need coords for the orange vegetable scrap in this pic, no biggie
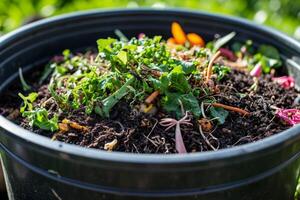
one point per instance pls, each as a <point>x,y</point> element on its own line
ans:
<point>178,33</point>
<point>152,97</point>
<point>171,41</point>
<point>195,39</point>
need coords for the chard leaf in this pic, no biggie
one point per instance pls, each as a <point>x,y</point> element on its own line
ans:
<point>222,41</point>
<point>190,103</point>
<point>171,103</point>
<point>219,113</point>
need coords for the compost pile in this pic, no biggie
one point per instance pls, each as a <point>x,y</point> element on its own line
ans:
<point>147,95</point>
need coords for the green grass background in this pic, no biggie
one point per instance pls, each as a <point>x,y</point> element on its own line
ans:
<point>281,14</point>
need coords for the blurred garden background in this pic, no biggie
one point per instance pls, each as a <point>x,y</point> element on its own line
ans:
<point>280,14</point>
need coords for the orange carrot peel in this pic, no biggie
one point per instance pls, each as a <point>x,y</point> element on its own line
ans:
<point>75,125</point>
<point>195,39</point>
<point>178,33</point>
<point>231,108</point>
<point>152,97</point>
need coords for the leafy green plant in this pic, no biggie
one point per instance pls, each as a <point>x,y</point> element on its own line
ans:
<point>27,101</point>
<point>40,118</point>
<point>37,116</point>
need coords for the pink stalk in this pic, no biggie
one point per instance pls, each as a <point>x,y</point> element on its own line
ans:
<point>228,54</point>
<point>170,122</point>
<point>285,81</point>
<point>290,116</point>
<point>256,71</point>
<point>180,147</point>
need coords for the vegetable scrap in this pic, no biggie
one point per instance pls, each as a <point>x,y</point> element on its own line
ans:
<point>285,81</point>
<point>290,116</point>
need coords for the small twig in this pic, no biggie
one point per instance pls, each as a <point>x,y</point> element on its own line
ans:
<point>270,122</point>
<point>120,124</point>
<point>254,86</point>
<point>205,139</point>
<point>241,139</point>
<point>215,139</point>
<point>210,65</point>
<point>156,122</point>
<point>274,107</point>
<point>231,108</point>
<point>202,110</point>
<point>150,140</point>
<point>55,194</point>
<point>135,148</point>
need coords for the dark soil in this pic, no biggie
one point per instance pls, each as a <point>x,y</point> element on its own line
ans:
<point>141,133</point>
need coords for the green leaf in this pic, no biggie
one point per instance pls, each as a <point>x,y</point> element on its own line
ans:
<point>221,71</point>
<point>27,101</point>
<point>61,70</point>
<point>108,103</point>
<point>164,83</point>
<point>187,67</point>
<point>178,80</point>
<point>105,44</point>
<point>266,62</point>
<point>190,103</point>
<point>155,83</point>
<point>66,53</point>
<point>122,55</point>
<point>269,51</point>
<point>219,113</point>
<point>171,103</point>
<point>39,118</point>
<point>222,41</point>
<point>236,47</point>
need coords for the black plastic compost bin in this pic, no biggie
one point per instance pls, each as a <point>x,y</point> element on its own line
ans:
<point>37,168</point>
